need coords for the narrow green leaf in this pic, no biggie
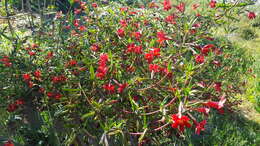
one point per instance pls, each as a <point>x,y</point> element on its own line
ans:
<point>87,115</point>
<point>92,73</point>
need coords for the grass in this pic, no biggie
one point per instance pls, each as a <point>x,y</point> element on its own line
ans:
<point>251,99</point>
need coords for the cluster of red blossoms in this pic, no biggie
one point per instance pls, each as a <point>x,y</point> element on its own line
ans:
<point>154,52</point>
<point>110,88</point>
<point>102,69</point>
<point>58,79</point>
<point>33,49</point>
<point>9,143</point>
<point>13,106</point>
<point>6,61</point>
<point>55,95</point>
<point>181,121</point>
<point>132,48</point>
<point>199,58</point>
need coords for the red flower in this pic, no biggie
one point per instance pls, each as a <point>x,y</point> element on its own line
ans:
<point>196,25</point>
<point>154,68</point>
<point>19,102</point>
<point>50,94</point>
<point>31,53</point>
<point>135,98</point>
<point>205,50</point>
<point>138,49</point>
<point>30,84</point>
<point>180,122</point>
<point>82,28</point>
<point>58,79</point>
<point>57,96</point>
<point>102,69</point>
<point>94,5</point>
<point>181,7</point>
<point>95,47</point>
<point>76,22</point>
<point>155,52</point>
<point>199,59</point>
<point>72,63</point>
<point>12,107</point>
<point>9,143</point>
<point>130,47</point>
<point>200,126</point>
<point>103,58</point>
<point>123,23</point>
<point>161,37</point>
<point>37,73</point>
<point>123,9</point>
<point>54,95</point>
<point>251,15</point>
<point>167,5</point>
<point>170,19</point>
<point>101,72</point>
<point>110,88</point>
<point>120,32</point>
<point>217,86</point>
<point>217,105</point>
<point>137,35</point>
<point>26,77</point>
<point>8,64</point>
<point>41,90</point>
<point>122,87</point>
<point>203,110</point>
<point>212,4</point>
<point>149,57</point>
<point>6,61</point>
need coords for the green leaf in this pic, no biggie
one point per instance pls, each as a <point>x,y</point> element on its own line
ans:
<point>92,73</point>
<point>90,114</point>
<point>71,1</point>
<point>71,90</point>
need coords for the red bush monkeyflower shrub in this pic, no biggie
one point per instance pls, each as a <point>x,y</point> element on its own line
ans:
<point>111,71</point>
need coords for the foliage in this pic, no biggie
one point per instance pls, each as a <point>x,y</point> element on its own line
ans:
<point>248,34</point>
<point>115,75</point>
